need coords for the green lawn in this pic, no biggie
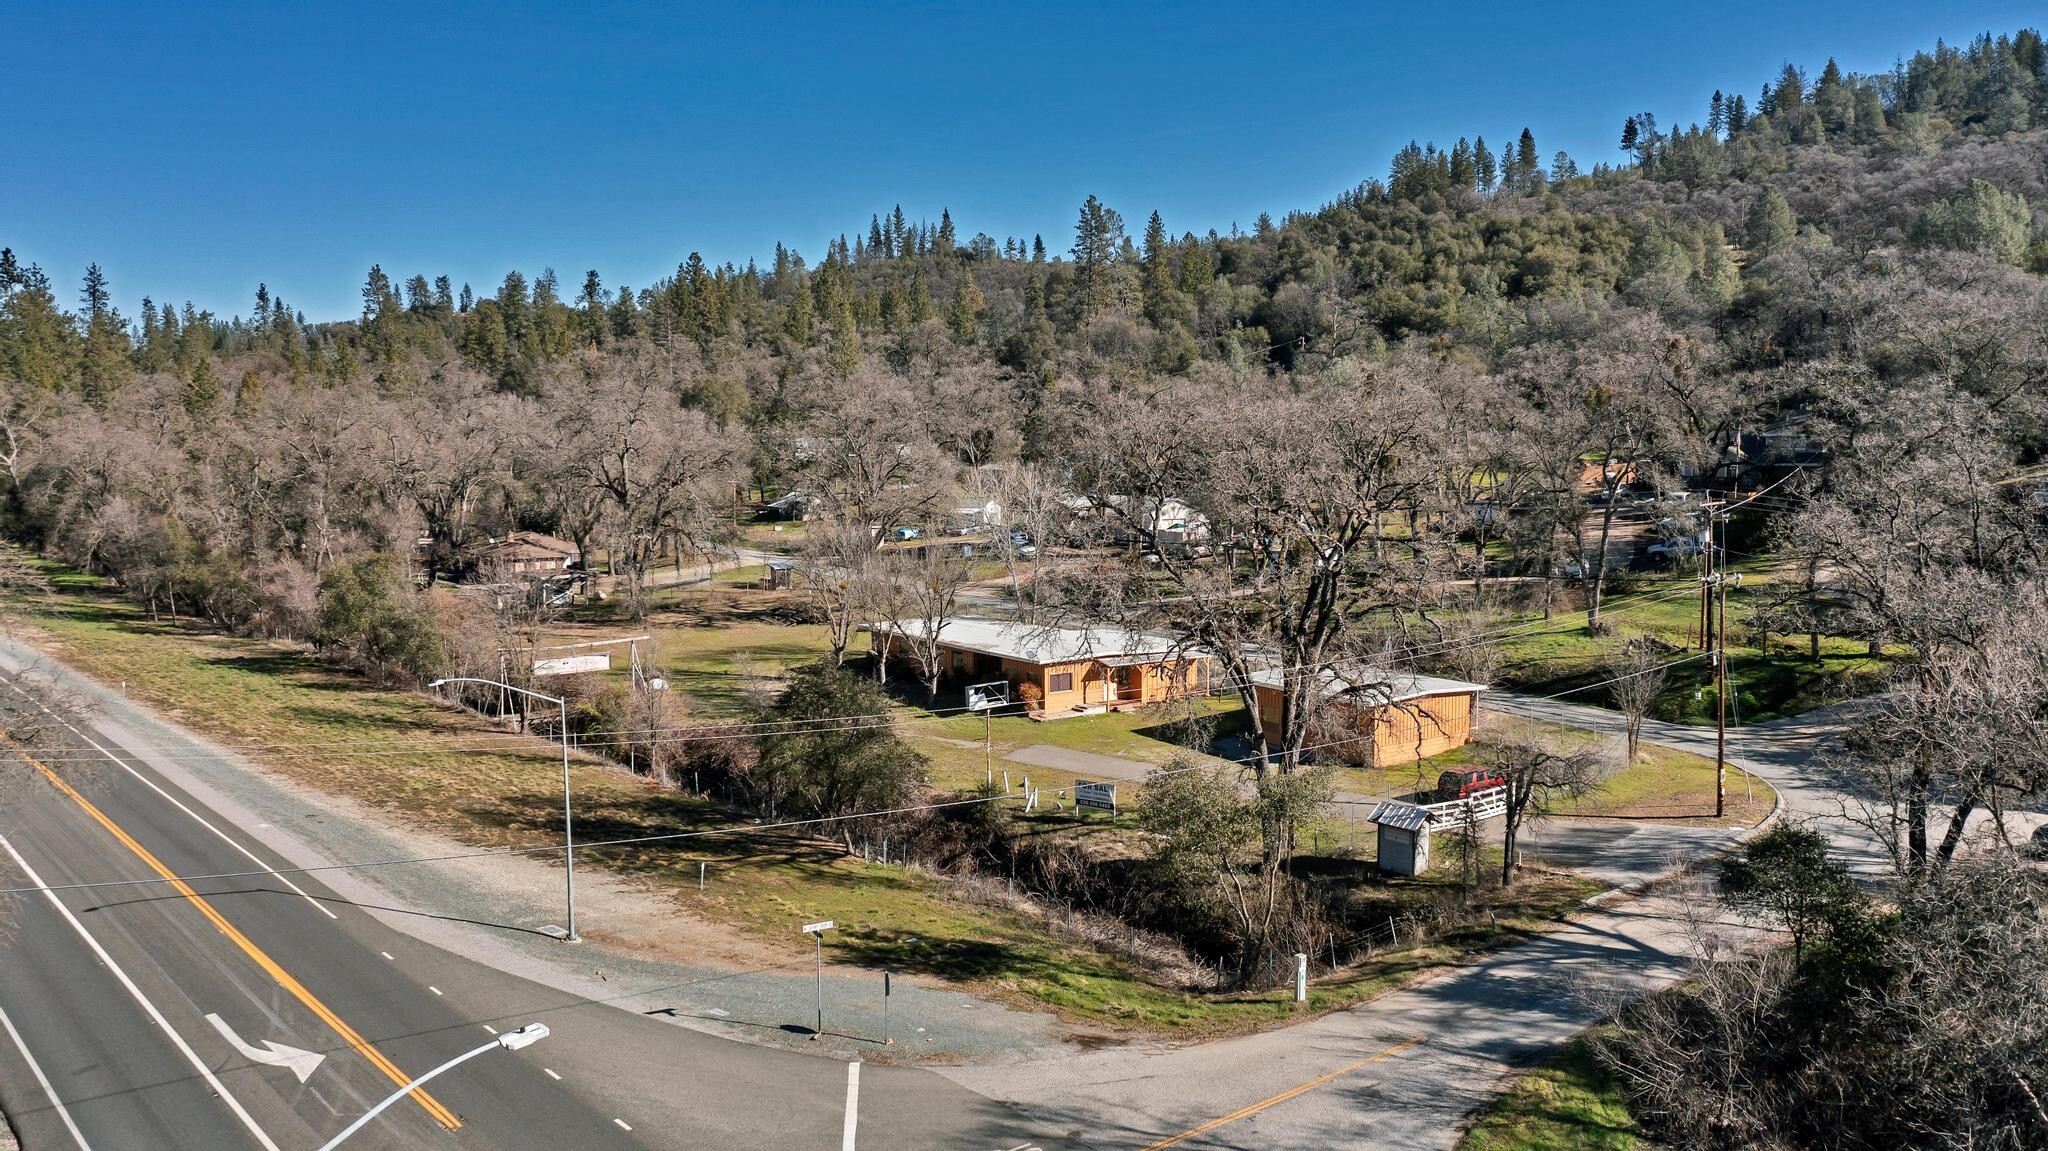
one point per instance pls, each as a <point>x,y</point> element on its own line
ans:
<point>1545,658</point>
<point>1569,1104</point>
<point>1663,784</point>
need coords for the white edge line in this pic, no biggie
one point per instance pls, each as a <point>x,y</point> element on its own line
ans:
<point>852,1105</point>
<point>623,1125</point>
<point>173,801</point>
<point>149,1008</point>
<point>434,989</point>
<point>491,1029</point>
<point>551,1072</point>
<point>387,955</point>
<point>36,1069</point>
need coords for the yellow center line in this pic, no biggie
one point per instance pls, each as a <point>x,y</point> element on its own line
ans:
<point>1284,1096</point>
<point>284,978</point>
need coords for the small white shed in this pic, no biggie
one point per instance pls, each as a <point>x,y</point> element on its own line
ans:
<point>1403,837</point>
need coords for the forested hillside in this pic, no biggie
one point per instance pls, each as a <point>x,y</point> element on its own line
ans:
<point>1838,232</point>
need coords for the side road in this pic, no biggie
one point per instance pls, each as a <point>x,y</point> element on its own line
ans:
<point>1406,1070</point>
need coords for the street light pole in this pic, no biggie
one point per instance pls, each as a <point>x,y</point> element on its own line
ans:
<point>568,815</point>
<point>510,1041</point>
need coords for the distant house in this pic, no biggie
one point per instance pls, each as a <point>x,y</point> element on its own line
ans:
<point>525,553</point>
<point>1400,717</point>
<point>975,517</point>
<point>790,507</point>
<point>1077,671</point>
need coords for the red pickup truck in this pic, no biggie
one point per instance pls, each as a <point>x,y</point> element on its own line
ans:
<point>1463,784</point>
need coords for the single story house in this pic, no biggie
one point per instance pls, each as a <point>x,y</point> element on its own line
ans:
<point>1402,717</point>
<point>970,518</point>
<point>1075,671</point>
<point>526,553</point>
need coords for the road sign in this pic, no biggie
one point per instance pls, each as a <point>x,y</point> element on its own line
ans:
<point>1100,796</point>
<point>825,925</point>
<point>988,696</point>
<point>572,664</point>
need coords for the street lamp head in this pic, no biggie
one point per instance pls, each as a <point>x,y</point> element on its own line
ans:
<point>526,1036</point>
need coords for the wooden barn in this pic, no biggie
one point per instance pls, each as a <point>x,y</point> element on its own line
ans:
<point>1402,717</point>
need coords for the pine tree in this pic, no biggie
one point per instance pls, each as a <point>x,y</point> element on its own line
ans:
<point>1630,133</point>
<point>596,324</point>
<point>444,298</point>
<point>94,294</point>
<point>967,305</point>
<point>1482,162</point>
<point>1771,223</point>
<point>468,300</point>
<point>1037,249</point>
<point>1098,235</point>
<point>1563,167</point>
<point>1717,113</point>
<point>248,397</point>
<point>1738,114</point>
<point>1528,169</point>
<point>200,394</point>
<point>943,243</point>
<point>1463,173</point>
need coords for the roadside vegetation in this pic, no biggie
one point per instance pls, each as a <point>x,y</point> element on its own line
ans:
<point>1572,1102</point>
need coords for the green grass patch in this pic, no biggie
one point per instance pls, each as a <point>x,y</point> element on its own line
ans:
<point>1571,1103</point>
<point>1767,679</point>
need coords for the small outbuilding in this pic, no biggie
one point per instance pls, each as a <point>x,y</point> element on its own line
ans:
<point>1074,671</point>
<point>1403,837</point>
<point>1401,718</point>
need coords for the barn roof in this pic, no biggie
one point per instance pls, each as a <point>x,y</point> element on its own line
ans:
<point>1394,813</point>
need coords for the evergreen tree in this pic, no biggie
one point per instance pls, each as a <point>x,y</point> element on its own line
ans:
<point>942,244</point>
<point>1717,113</point>
<point>1771,223</point>
<point>1037,249</point>
<point>94,293</point>
<point>1630,134</point>
<point>36,340</point>
<point>1098,234</point>
<point>596,322</point>
<point>1528,169</point>
<point>444,299</point>
<point>468,300</point>
<point>1482,161</point>
<point>1463,172</point>
<point>1197,270</point>
<point>200,395</point>
<point>1563,167</point>
<point>967,305</point>
<point>1737,114</point>
<point>248,397</point>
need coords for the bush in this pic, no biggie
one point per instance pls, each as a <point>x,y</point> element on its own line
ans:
<point>370,614</point>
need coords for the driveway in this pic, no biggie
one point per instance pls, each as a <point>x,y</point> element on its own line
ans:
<point>1407,1070</point>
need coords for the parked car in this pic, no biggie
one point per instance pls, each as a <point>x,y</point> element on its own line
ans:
<point>903,534</point>
<point>1463,784</point>
<point>1027,551</point>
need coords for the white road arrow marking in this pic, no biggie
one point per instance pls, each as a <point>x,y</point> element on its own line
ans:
<point>301,1063</point>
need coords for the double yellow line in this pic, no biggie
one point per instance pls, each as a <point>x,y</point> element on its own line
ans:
<point>1274,1101</point>
<point>284,978</point>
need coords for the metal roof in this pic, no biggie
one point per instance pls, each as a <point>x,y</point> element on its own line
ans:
<point>1405,816</point>
<point>1032,643</point>
<point>1376,685</point>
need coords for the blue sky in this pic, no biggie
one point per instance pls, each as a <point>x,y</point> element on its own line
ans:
<point>195,149</point>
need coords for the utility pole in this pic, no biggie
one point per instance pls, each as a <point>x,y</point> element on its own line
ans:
<point>1719,618</point>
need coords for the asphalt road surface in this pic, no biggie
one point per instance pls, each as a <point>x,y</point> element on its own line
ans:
<point>268,1012</point>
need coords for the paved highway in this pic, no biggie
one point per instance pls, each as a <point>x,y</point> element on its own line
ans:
<point>269,1012</point>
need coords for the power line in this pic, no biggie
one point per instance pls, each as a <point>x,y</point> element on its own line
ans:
<point>737,829</point>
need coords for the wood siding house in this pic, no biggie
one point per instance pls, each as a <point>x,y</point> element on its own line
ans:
<point>1401,718</point>
<point>1077,671</point>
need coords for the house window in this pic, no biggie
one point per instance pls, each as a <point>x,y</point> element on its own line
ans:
<point>1060,681</point>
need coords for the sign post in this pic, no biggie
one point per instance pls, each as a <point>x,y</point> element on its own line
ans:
<point>985,698</point>
<point>1100,796</point>
<point>817,933</point>
<point>887,1039</point>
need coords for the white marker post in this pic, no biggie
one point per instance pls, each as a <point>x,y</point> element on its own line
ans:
<point>817,933</point>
